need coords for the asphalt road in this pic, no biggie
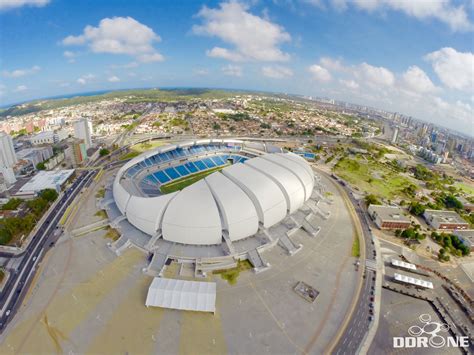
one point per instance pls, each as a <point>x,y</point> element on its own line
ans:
<point>359,323</point>
<point>44,238</point>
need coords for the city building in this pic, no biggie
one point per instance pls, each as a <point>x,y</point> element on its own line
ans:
<point>388,217</point>
<point>445,220</point>
<point>3,183</point>
<point>466,237</point>
<point>49,137</point>
<point>7,152</point>
<point>36,155</point>
<point>467,205</point>
<point>395,135</point>
<point>76,151</point>
<point>45,180</point>
<point>83,130</point>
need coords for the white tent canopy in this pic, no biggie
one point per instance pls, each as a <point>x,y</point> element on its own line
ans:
<point>403,264</point>
<point>182,295</point>
<point>413,281</point>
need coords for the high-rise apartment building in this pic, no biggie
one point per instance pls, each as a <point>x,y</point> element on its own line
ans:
<point>7,153</point>
<point>83,130</point>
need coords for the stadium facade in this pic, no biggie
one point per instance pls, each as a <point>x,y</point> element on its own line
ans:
<point>251,189</point>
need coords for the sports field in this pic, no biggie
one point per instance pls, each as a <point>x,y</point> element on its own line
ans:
<point>180,184</point>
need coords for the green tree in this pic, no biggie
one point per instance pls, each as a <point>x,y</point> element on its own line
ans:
<point>41,166</point>
<point>103,152</point>
<point>417,208</point>
<point>371,199</point>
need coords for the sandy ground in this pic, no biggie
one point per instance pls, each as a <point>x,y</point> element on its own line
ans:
<point>87,300</point>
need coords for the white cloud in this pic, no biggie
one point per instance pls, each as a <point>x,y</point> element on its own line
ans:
<point>232,70</point>
<point>119,35</point>
<point>125,66</point>
<point>350,84</point>
<point>21,72</point>
<point>454,69</point>
<point>12,4</point>
<point>332,64</point>
<point>277,72</point>
<point>151,57</point>
<point>114,79</point>
<point>253,38</point>
<point>201,72</point>
<point>377,76</point>
<point>20,88</point>
<point>416,80</point>
<point>445,11</point>
<point>319,73</point>
<point>85,79</point>
<point>69,54</point>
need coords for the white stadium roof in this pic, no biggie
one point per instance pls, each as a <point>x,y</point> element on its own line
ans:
<point>182,295</point>
<point>261,190</point>
<point>238,212</point>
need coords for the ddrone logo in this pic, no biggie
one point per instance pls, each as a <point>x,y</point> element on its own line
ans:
<point>429,335</point>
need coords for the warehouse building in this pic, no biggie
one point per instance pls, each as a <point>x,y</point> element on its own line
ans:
<point>388,217</point>
<point>445,220</point>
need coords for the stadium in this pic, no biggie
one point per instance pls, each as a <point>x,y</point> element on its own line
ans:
<point>212,202</point>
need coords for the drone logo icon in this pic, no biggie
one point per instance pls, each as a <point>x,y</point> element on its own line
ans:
<point>431,330</point>
<point>430,334</point>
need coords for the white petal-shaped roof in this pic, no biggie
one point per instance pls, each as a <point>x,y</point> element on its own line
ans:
<point>121,195</point>
<point>303,163</point>
<point>300,172</point>
<point>146,213</point>
<point>239,215</point>
<point>264,193</point>
<point>192,217</point>
<point>261,190</point>
<point>289,184</point>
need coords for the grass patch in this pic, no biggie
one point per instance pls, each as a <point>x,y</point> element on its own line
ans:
<point>469,189</point>
<point>101,214</point>
<point>356,247</point>
<point>129,155</point>
<point>181,183</point>
<point>231,275</point>
<point>100,193</point>
<point>143,147</point>
<point>372,177</point>
<point>112,234</point>
<point>2,275</point>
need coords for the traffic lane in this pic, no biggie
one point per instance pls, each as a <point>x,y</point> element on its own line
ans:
<point>32,262</point>
<point>360,322</point>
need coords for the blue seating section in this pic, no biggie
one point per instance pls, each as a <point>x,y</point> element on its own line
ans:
<point>150,184</point>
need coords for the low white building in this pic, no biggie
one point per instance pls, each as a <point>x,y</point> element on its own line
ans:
<point>49,137</point>
<point>45,180</point>
<point>35,155</point>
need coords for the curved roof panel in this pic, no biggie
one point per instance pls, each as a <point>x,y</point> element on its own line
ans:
<point>289,184</point>
<point>296,158</point>
<point>146,213</point>
<point>121,196</point>
<point>264,193</point>
<point>238,213</point>
<point>192,217</point>
<point>300,172</point>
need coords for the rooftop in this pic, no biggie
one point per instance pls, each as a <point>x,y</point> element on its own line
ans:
<point>46,180</point>
<point>389,213</point>
<point>444,216</point>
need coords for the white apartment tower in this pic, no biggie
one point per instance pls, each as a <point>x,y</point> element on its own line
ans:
<point>7,152</point>
<point>83,130</point>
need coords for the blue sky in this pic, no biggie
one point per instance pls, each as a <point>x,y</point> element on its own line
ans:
<point>414,57</point>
